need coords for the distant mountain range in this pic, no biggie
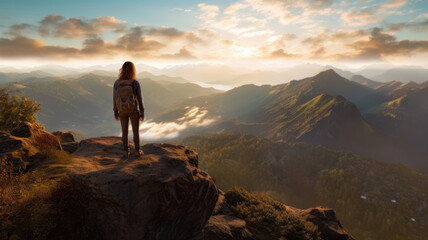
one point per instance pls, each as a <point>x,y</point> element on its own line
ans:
<point>417,75</point>
<point>86,103</point>
<point>231,74</point>
<point>326,110</point>
<point>7,77</point>
<point>383,120</point>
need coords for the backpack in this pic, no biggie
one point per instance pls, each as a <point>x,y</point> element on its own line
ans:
<point>125,98</point>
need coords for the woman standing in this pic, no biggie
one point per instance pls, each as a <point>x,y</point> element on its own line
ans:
<point>128,104</point>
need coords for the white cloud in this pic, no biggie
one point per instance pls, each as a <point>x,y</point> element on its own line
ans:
<point>193,118</point>
<point>234,8</point>
<point>345,3</point>
<point>362,16</point>
<point>181,10</point>
<point>274,9</point>
<point>394,3</point>
<point>209,12</point>
<point>425,15</point>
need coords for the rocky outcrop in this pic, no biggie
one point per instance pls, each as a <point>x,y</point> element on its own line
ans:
<point>162,195</point>
<point>16,151</point>
<point>221,206</point>
<point>28,130</point>
<point>24,143</point>
<point>70,147</point>
<point>64,136</point>
<point>69,136</point>
<point>69,139</point>
<point>224,227</point>
<point>327,223</point>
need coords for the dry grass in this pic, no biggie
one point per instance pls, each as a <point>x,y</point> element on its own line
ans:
<point>51,152</point>
<point>46,140</point>
<point>26,208</point>
<point>33,206</point>
<point>24,211</point>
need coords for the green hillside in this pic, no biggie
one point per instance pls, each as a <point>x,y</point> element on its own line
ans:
<point>365,81</point>
<point>299,92</point>
<point>374,199</point>
<point>322,110</point>
<point>405,115</point>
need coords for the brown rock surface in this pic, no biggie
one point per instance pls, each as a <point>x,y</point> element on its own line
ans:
<point>23,144</point>
<point>17,151</point>
<point>64,136</point>
<point>327,223</point>
<point>70,140</point>
<point>162,195</point>
<point>221,206</point>
<point>28,130</point>
<point>220,226</point>
<point>223,227</point>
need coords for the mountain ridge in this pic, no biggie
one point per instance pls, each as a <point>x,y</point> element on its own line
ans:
<point>292,112</point>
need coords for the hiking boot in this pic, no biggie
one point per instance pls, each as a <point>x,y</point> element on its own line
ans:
<point>126,154</point>
<point>139,153</point>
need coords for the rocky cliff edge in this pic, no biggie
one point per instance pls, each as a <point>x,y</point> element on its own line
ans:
<point>161,195</point>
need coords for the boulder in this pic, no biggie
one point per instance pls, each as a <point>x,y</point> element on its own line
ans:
<point>24,143</point>
<point>37,134</point>
<point>64,136</point>
<point>69,139</point>
<point>17,151</point>
<point>70,147</point>
<point>161,195</point>
<point>327,223</point>
<point>223,227</point>
<point>221,206</point>
<point>28,130</point>
<point>220,226</point>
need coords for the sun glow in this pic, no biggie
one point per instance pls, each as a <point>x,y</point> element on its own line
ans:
<point>247,52</point>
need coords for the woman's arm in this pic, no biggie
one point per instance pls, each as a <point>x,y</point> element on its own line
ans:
<point>139,98</point>
<point>116,112</point>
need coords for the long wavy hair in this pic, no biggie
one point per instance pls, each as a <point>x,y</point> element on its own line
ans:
<point>127,71</point>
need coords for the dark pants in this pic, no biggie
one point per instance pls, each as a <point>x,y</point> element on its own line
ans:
<point>135,122</point>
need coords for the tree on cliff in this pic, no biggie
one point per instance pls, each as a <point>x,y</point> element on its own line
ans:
<point>14,109</point>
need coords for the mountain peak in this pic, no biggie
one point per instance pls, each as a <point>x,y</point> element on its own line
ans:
<point>330,73</point>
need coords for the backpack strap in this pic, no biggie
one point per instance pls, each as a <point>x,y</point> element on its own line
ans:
<point>124,82</point>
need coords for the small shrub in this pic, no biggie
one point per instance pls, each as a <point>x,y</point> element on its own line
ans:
<point>269,216</point>
<point>15,109</point>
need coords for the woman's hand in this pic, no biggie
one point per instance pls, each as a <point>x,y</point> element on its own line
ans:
<point>142,117</point>
<point>116,116</point>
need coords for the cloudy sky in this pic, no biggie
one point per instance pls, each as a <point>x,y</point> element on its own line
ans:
<point>394,31</point>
